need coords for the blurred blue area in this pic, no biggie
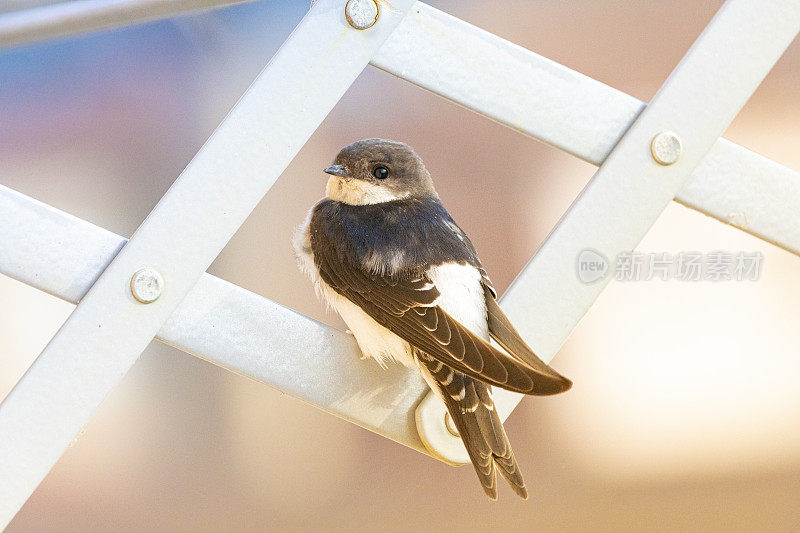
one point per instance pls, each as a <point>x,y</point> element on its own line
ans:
<point>76,64</point>
<point>131,104</point>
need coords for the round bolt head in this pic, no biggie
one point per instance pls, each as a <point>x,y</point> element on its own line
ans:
<point>361,14</point>
<point>666,147</point>
<point>147,285</point>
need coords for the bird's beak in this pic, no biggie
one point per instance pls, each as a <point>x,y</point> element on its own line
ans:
<point>336,170</point>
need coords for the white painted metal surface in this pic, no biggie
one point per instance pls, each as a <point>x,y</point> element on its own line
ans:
<point>182,235</point>
<point>586,118</point>
<point>80,16</point>
<point>748,191</point>
<point>624,198</point>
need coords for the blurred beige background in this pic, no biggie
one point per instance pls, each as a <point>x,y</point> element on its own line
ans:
<point>685,413</point>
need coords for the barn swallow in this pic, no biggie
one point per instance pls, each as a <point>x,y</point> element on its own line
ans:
<point>383,252</point>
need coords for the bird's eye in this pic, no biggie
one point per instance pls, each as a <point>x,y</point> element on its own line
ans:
<point>380,172</point>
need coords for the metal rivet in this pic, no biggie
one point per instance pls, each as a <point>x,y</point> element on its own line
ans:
<point>146,285</point>
<point>450,425</point>
<point>361,14</point>
<point>666,147</point>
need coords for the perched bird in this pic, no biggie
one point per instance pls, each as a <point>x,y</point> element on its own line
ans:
<point>386,255</point>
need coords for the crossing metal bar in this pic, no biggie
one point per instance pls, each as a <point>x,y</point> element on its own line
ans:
<point>586,118</point>
<point>183,234</point>
<point>622,201</point>
<point>227,325</point>
<point>244,332</point>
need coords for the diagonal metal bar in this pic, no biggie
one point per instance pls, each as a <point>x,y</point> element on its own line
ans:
<point>561,107</point>
<point>622,201</point>
<point>194,220</point>
<point>219,322</point>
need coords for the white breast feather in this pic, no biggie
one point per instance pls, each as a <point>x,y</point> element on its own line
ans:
<point>374,340</point>
<point>461,297</point>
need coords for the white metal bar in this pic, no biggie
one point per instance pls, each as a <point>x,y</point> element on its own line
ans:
<point>616,209</point>
<point>748,191</point>
<point>506,83</point>
<point>561,107</point>
<point>219,322</point>
<point>182,235</point>
<point>82,16</point>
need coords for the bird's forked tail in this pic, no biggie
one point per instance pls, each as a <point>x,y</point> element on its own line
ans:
<point>473,413</point>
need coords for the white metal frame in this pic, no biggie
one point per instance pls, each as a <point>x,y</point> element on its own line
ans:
<point>203,315</point>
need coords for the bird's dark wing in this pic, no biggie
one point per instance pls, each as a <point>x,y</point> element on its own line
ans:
<point>406,305</point>
<point>504,333</point>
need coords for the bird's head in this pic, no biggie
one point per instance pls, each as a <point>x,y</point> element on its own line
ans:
<point>374,171</point>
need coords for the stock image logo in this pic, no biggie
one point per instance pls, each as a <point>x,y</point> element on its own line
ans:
<point>592,266</point>
<point>718,265</point>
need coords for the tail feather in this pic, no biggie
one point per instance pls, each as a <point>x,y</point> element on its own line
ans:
<point>510,471</point>
<point>472,410</point>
